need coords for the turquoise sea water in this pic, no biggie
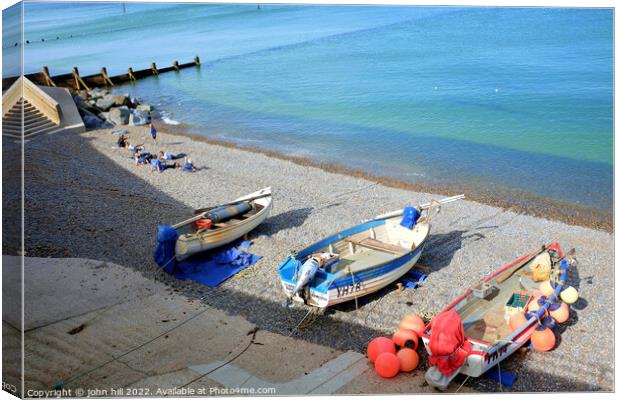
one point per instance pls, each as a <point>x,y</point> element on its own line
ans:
<point>512,100</point>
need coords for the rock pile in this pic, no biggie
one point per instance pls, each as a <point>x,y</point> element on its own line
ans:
<point>101,109</point>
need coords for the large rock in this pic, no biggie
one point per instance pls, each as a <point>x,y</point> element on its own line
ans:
<point>97,93</point>
<point>119,115</point>
<point>105,103</point>
<point>120,99</point>
<point>139,117</point>
<point>92,122</point>
<point>144,107</point>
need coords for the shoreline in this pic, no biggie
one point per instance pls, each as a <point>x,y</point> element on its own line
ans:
<point>531,205</point>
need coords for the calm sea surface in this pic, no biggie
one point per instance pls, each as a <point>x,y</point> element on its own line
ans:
<point>517,101</point>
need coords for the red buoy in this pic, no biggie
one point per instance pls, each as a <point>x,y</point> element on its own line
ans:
<point>378,346</point>
<point>560,313</point>
<point>408,358</point>
<point>517,320</point>
<point>405,338</point>
<point>387,365</point>
<point>413,322</point>
<point>543,339</point>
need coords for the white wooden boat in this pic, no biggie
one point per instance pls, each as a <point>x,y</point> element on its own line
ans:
<point>193,239</point>
<point>357,261</point>
<point>488,337</point>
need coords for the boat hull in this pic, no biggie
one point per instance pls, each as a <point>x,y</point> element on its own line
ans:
<point>188,245</point>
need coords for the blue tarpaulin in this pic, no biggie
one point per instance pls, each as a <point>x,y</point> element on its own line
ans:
<point>210,267</point>
<point>506,378</point>
<point>413,279</point>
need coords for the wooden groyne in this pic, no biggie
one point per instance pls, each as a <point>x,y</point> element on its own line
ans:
<point>74,81</point>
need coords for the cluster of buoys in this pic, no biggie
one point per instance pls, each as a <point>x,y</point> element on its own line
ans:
<point>399,354</point>
<point>544,338</point>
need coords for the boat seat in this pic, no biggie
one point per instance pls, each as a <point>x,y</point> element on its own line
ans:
<point>378,245</point>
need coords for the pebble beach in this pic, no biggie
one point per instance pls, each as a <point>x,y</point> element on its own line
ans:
<point>85,197</point>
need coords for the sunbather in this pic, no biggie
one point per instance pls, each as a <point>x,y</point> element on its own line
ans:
<point>142,158</point>
<point>170,156</point>
<point>161,166</point>
<point>189,166</point>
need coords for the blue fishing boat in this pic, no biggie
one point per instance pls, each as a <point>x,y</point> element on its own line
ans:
<point>360,260</point>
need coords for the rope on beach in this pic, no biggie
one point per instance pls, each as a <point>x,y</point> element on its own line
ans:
<point>313,313</point>
<point>227,362</point>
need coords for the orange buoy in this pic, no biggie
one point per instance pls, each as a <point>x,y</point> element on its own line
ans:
<point>516,320</point>
<point>561,313</point>
<point>413,322</point>
<point>406,338</point>
<point>533,305</point>
<point>387,365</point>
<point>543,339</point>
<point>546,289</point>
<point>378,346</point>
<point>408,358</point>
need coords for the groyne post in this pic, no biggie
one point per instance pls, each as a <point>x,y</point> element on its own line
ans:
<point>47,77</point>
<point>78,81</point>
<point>106,78</point>
<point>130,73</point>
<point>197,60</point>
<point>154,69</point>
<point>175,65</point>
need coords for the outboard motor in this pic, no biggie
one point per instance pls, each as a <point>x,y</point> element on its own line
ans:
<point>222,214</point>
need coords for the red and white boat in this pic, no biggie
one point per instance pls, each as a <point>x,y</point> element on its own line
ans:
<point>472,334</point>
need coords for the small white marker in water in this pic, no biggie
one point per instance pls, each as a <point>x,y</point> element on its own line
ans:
<point>435,87</point>
<point>496,90</point>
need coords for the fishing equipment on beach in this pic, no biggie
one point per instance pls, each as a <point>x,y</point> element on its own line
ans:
<point>380,345</point>
<point>516,320</point>
<point>405,338</point>
<point>387,365</point>
<point>543,338</point>
<point>541,267</point>
<point>412,322</point>
<point>516,303</point>
<point>370,256</point>
<point>410,217</point>
<point>480,323</point>
<point>204,223</point>
<point>569,295</point>
<point>534,304</point>
<point>546,288</point>
<point>222,214</point>
<point>408,358</point>
<point>559,312</point>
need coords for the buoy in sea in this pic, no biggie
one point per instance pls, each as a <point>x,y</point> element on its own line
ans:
<point>412,322</point>
<point>406,338</point>
<point>408,358</point>
<point>517,320</point>
<point>546,288</point>
<point>379,346</point>
<point>543,338</point>
<point>569,295</point>
<point>387,365</point>
<point>559,312</point>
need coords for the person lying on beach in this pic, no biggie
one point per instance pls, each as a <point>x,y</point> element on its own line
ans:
<point>142,158</point>
<point>189,165</point>
<point>170,156</point>
<point>161,166</point>
<point>132,147</point>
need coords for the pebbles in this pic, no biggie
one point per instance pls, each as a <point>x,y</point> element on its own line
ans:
<point>97,204</point>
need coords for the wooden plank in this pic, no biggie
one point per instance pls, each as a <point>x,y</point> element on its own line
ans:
<point>378,245</point>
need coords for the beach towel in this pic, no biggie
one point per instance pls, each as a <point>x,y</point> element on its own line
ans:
<point>209,268</point>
